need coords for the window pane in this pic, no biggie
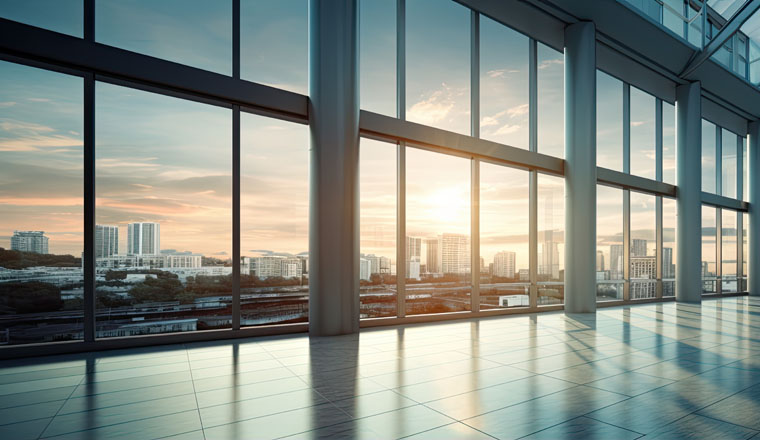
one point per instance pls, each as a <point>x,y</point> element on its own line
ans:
<point>163,179</point>
<point>197,33</point>
<point>551,240</point>
<point>745,175</point>
<point>504,84</point>
<point>41,204</point>
<point>668,143</point>
<point>708,157</point>
<point>672,20</point>
<point>438,64</point>
<point>504,231</point>
<point>438,232</point>
<point>669,212</point>
<point>64,16</point>
<point>274,43</point>
<point>709,253</point>
<point>551,101</point>
<point>377,27</point>
<point>728,250</point>
<point>643,152</point>
<point>377,171</point>
<point>745,221</point>
<point>728,162</point>
<point>695,27</point>
<point>609,243</point>
<point>609,122</point>
<point>274,221</point>
<point>643,270</point>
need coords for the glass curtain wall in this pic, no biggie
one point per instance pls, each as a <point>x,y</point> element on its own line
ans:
<point>709,250</point>
<point>669,213</point>
<point>609,243</point>
<point>164,191</point>
<point>643,258</point>
<point>377,211</point>
<point>438,65</point>
<point>609,121</point>
<point>504,237</point>
<point>41,205</point>
<point>274,221</point>
<point>551,93</point>
<point>551,240</point>
<point>504,84</point>
<point>728,253</point>
<point>438,263</point>
<point>643,137</point>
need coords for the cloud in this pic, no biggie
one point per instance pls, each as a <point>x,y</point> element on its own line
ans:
<point>431,110</point>
<point>638,123</point>
<point>507,129</point>
<point>549,63</point>
<point>519,110</point>
<point>500,73</point>
<point>7,104</point>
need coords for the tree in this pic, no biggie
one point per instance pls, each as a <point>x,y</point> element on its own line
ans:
<point>113,275</point>
<point>31,297</point>
<point>160,289</point>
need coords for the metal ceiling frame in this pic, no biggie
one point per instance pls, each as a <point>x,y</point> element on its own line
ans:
<point>729,29</point>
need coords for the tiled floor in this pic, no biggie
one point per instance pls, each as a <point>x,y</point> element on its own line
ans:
<point>657,370</point>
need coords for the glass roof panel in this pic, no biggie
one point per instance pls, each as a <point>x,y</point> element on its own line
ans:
<point>726,8</point>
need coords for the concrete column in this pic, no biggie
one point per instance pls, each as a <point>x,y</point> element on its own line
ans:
<point>334,191</point>
<point>580,168</point>
<point>689,196</point>
<point>753,229</point>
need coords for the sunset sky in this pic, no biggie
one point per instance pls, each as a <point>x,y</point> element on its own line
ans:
<point>168,160</point>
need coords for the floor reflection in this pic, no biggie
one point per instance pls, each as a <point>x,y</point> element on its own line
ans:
<point>665,369</point>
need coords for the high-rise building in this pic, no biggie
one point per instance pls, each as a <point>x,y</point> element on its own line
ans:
<point>504,263</point>
<point>433,255</point>
<point>638,247</point>
<point>364,269</point>
<point>548,256</point>
<point>29,241</point>
<point>106,241</point>
<point>616,261</point>
<point>143,238</point>
<point>668,268</point>
<point>599,261</point>
<point>455,253</point>
<point>269,266</point>
<point>413,250</point>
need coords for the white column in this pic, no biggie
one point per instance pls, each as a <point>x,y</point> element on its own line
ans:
<point>753,229</point>
<point>334,191</point>
<point>580,168</point>
<point>689,198</point>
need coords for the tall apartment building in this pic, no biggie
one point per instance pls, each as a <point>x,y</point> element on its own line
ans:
<point>143,238</point>
<point>413,251</point>
<point>504,263</point>
<point>638,247</point>
<point>455,253</point>
<point>433,255</point>
<point>29,241</point>
<point>106,241</point>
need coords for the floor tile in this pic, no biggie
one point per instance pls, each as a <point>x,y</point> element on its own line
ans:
<point>393,424</point>
<point>698,427</point>
<point>630,383</point>
<point>583,428</point>
<point>280,425</point>
<point>535,415</point>
<point>478,402</point>
<point>454,431</point>
<point>123,414</point>
<point>151,428</point>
